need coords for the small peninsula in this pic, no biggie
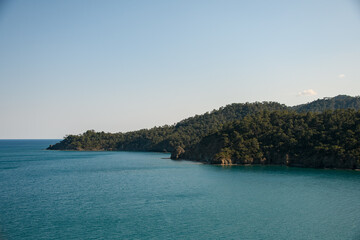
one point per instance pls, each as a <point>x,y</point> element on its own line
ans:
<point>322,134</point>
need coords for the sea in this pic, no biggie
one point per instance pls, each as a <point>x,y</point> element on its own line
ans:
<point>144,195</point>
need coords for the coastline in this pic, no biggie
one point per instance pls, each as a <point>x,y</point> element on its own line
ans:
<point>207,163</point>
<point>264,165</point>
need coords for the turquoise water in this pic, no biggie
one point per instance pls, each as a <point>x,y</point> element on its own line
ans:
<point>130,195</point>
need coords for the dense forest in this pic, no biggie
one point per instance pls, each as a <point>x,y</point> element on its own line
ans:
<point>166,138</point>
<point>322,140</point>
<point>338,102</point>
<point>187,138</point>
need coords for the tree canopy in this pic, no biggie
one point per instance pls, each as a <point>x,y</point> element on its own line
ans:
<point>260,132</point>
<point>323,140</point>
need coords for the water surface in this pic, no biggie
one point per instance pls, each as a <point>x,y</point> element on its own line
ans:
<point>132,195</point>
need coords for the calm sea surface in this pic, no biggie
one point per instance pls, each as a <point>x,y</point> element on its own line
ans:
<point>132,195</point>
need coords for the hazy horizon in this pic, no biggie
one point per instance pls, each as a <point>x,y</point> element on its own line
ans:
<point>118,66</point>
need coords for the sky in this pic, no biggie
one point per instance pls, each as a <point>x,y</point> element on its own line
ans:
<point>116,66</point>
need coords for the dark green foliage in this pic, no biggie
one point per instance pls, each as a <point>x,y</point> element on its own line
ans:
<point>322,140</point>
<point>166,138</point>
<point>90,140</point>
<point>188,134</point>
<point>338,102</point>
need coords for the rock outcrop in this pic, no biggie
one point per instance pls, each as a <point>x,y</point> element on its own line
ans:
<point>175,155</point>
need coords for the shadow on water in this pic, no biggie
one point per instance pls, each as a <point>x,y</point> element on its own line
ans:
<point>284,170</point>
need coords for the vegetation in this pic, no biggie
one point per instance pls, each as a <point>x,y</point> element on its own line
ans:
<point>203,137</point>
<point>321,140</point>
<point>166,138</point>
<point>338,102</point>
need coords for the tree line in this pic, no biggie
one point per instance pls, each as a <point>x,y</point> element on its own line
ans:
<point>184,137</point>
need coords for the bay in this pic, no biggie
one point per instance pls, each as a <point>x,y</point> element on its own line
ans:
<point>140,195</point>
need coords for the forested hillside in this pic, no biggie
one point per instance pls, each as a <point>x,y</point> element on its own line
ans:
<point>322,140</point>
<point>166,138</point>
<point>183,139</point>
<point>338,102</point>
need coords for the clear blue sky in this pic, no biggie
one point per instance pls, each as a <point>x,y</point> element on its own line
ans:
<point>68,66</point>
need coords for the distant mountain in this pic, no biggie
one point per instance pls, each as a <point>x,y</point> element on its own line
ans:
<point>190,131</point>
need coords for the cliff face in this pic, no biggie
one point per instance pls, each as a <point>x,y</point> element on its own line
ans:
<point>327,140</point>
<point>175,155</point>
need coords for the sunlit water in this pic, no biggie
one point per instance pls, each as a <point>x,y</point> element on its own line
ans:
<point>133,195</point>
